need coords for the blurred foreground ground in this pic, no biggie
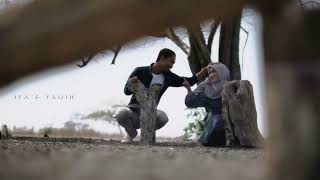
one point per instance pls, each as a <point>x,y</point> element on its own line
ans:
<point>77,158</point>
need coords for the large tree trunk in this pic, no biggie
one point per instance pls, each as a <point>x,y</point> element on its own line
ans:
<point>240,115</point>
<point>293,76</point>
<point>229,45</point>
<point>199,51</point>
<point>199,55</point>
<point>147,99</point>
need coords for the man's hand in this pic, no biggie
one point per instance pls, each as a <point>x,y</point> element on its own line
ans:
<point>131,84</point>
<point>134,80</point>
<point>186,85</point>
<point>202,74</point>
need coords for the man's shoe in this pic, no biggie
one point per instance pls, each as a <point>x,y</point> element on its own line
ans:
<point>127,139</point>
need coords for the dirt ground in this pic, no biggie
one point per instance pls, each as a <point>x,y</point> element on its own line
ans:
<point>78,159</point>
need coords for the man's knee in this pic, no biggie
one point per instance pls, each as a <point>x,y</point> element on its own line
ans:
<point>161,119</point>
<point>122,116</point>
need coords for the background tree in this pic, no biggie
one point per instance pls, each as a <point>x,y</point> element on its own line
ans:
<point>200,41</point>
<point>229,45</point>
<point>104,115</point>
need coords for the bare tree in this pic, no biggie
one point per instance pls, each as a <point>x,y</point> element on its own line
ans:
<point>199,49</point>
<point>229,45</point>
<point>104,115</point>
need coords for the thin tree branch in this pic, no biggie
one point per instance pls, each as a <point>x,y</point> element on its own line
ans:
<point>213,30</point>
<point>116,52</point>
<point>85,61</point>
<point>174,38</point>
<point>245,44</point>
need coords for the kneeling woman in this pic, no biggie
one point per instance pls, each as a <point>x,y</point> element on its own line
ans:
<point>208,95</point>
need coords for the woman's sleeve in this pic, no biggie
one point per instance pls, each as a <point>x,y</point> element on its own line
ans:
<point>195,100</point>
<point>201,87</point>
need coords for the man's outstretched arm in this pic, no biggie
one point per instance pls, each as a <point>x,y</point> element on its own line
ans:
<point>177,81</point>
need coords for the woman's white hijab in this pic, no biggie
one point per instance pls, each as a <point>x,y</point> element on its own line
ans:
<point>213,89</point>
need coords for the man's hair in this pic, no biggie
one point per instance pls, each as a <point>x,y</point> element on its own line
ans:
<point>165,53</point>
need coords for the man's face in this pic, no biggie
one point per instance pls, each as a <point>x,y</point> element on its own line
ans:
<point>167,63</point>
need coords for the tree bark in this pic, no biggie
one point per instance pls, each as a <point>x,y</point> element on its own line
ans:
<point>229,45</point>
<point>240,115</point>
<point>147,99</point>
<point>199,53</point>
<point>293,76</point>
<point>199,56</point>
<point>213,30</point>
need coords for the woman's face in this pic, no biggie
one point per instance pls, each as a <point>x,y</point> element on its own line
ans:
<point>213,74</point>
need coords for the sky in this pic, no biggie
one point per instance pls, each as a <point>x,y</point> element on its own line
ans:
<point>52,97</point>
